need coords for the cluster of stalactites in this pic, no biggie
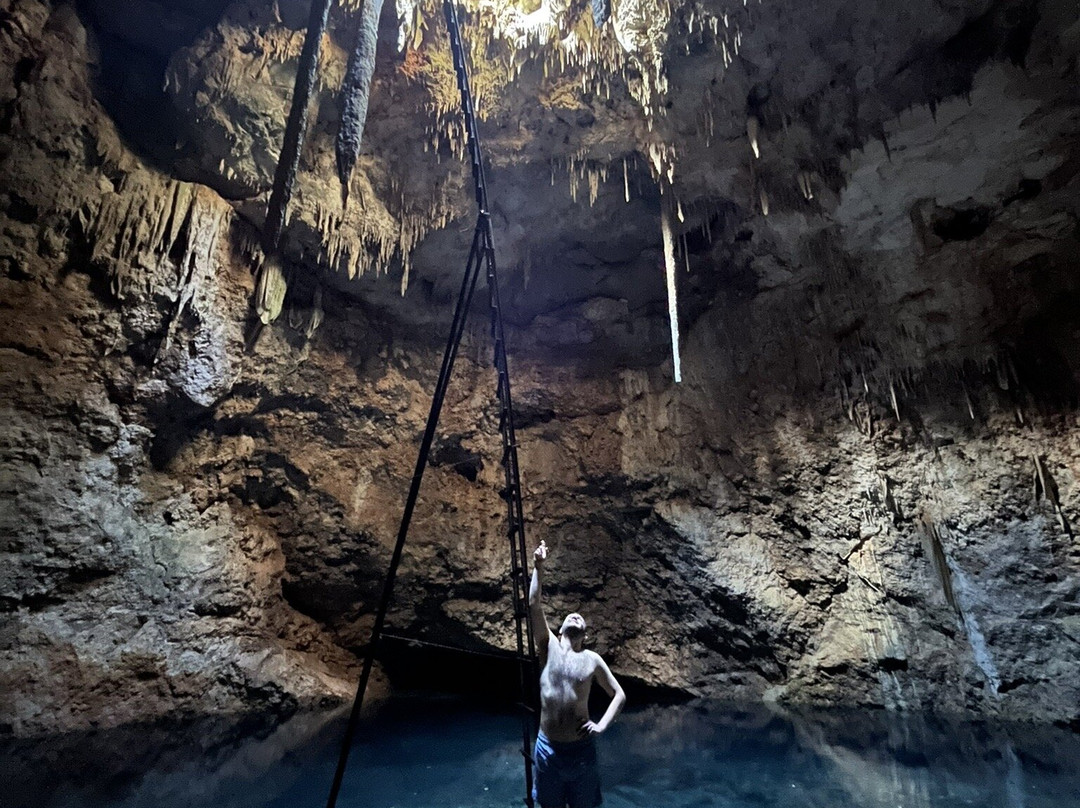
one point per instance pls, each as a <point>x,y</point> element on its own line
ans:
<point>631,46</point>
<point>624,38</point>
<point>143,221</point>
<point>146,222</point>
<point>360,239</point>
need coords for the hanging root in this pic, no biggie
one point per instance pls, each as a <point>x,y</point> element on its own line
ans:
<point>295,128</point>
<point>355,92</point>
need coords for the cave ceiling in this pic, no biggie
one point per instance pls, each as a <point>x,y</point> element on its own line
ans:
<point>586,142</point>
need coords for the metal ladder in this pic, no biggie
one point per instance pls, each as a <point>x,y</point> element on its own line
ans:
<point>482,252</point>
<point>519,560</point>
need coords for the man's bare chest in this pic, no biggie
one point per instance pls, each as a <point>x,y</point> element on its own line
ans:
<point>573,668</point>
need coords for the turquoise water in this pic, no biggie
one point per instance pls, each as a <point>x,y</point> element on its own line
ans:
<point>426,753</point>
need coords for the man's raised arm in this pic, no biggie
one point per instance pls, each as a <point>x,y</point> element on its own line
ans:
<point>541,632</point>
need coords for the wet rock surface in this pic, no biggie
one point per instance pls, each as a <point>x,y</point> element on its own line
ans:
<point>863,493</point>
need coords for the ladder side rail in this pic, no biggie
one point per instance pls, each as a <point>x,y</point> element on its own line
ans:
<point>527,672</point>
<point>468,286</point>
<point>515,510</point>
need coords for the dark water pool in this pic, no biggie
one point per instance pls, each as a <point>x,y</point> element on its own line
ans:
<point>448,754</point>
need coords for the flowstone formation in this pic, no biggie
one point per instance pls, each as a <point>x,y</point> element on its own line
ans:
<point>862,493</point>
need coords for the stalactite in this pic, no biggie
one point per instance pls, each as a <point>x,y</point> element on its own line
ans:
<point>669,271</point>
<point>752,131</point>
<point>270,290</point>
<point>307,321</point>
<point>141,222</point>
<point>355,93</point>
<point>1046,487</point>
<point>207,217</point>
<point>888,499</point>
<point>932,546</point>
<point>317,314</point>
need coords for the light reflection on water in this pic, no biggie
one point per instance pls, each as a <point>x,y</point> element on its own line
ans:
<point>443,753</point>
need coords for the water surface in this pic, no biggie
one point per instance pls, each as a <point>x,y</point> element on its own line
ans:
<point>441,753</point>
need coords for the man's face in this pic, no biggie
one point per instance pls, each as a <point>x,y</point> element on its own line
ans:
<point>573,626</point>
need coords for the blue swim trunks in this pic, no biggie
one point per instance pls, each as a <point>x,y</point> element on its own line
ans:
<point>566,774</point>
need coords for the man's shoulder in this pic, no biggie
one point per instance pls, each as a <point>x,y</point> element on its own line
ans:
<point>594,657</point>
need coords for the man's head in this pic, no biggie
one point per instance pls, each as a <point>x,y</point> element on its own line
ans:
<point>573,627</point>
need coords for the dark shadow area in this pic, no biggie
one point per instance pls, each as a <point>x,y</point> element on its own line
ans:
<point>134,44</point>
<point>176,420</point>
<point>960,224</point>
<point>491,675</point>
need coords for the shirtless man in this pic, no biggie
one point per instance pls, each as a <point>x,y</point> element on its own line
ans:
<point>566,771</point>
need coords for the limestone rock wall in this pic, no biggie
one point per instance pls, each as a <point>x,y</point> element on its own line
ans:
<point>127,593</point>
<point>863,493</point>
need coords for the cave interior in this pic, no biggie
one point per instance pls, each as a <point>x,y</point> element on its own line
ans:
<point>791,303</point>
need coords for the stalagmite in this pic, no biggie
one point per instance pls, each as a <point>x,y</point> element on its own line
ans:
<point>355,92</point>
<point>669,270</point>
